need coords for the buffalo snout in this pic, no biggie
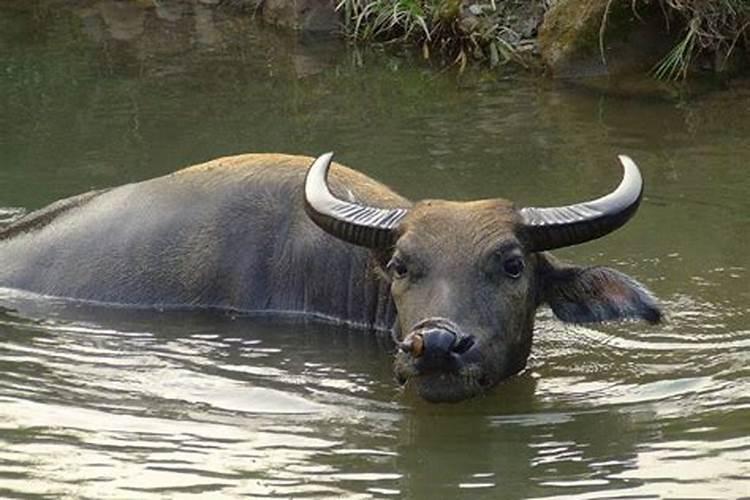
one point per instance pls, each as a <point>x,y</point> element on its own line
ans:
<point>438,345</point>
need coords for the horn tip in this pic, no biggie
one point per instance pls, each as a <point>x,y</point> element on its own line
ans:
<point>321,164</point>
<point>631,171</point>
<point>627,161</point>
<point>324,158</point>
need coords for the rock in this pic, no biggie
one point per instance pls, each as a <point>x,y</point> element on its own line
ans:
<point>635,37</point>
<point>317,16</point>
<point>170,10</point>
<point>124,20</point>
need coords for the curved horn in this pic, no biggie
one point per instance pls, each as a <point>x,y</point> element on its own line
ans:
<point>556,227</point>
<point>358,224</point>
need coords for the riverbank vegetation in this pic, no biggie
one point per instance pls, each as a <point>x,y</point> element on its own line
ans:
<point>714,30</point>
<point>454,31</point>
<point>668,39</point>
<point>701,34</point>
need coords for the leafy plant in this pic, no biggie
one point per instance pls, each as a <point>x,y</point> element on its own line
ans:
<point>455,30</point>
<point>712,27</point>
<point>676,63</point>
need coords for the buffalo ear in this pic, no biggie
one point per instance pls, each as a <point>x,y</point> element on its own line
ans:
<point>593,294</point>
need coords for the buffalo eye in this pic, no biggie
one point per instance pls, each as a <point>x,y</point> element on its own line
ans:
<point>513,266</point>
<point>397,268</point>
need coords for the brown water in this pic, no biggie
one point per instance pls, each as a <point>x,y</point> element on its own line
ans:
<point>108,403</point>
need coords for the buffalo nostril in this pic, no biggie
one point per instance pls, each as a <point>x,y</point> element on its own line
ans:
<point>413,344</point>
<point>463,344</point>
<point>438,343</point>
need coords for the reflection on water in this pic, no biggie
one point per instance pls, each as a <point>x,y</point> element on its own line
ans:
<point>120,404</point>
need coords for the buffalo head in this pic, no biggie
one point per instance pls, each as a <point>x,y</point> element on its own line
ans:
<point>467,277</point>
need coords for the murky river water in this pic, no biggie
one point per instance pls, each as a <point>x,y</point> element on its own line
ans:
<point>108,403</point>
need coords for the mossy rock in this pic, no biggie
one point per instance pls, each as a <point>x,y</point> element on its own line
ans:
<point>572,42</point>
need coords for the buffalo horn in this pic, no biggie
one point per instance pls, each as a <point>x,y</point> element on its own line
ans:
<point>556,227</point>
<point>358,224</point>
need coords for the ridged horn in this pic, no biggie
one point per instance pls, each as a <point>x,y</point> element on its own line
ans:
<point>354,223</point>
<point>556,227</point>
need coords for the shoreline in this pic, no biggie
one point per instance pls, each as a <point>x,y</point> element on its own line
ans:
<point>668,39</point>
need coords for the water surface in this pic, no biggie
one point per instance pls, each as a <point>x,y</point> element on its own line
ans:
<point>110,403</point>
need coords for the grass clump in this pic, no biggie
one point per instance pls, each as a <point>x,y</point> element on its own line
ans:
<point>455,31</point>
<point>713,31</point>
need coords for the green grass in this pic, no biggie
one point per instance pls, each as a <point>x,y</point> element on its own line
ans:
<point>438,27</point>
<point>713,29</point>
<point>460,31</point>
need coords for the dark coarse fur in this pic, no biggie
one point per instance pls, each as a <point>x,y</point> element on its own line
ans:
<point>230,233</point>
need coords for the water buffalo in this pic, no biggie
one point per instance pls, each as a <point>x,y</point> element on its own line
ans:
<point>457,283</point>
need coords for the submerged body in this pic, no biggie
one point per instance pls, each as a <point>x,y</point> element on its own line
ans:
<point>457,283</point>
<point>231,233</point>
